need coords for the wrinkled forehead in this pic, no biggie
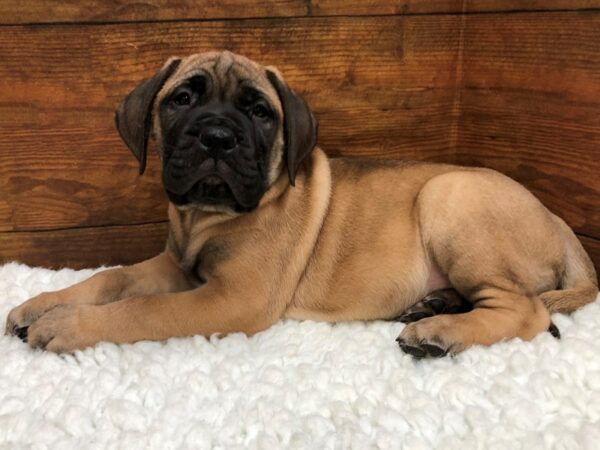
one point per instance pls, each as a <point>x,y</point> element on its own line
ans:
<point>227,72</point>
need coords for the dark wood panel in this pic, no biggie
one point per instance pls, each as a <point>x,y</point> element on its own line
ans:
<point>96,246</point>
<point>53,11</point>
<point>474,6</point>
<point>593,248</point>
<point>382,87</point>
<point>50,11</point>
<point>84,247</point>
<point>530,107</point>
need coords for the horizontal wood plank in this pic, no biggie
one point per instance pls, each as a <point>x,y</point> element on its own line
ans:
<point>99,11</point>
<point>84,247</point>
<point>522,97</point>
<point>382,87</point>
<point>115,245</point>
<point>530,107</point>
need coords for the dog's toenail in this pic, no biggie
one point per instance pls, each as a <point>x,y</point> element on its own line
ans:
<point>21,333</point>
<point>554,331</point>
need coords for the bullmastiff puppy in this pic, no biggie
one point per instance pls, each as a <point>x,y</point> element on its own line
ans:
<point>263,226</point>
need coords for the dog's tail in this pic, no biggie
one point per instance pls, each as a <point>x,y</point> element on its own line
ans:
<point>578,284</point>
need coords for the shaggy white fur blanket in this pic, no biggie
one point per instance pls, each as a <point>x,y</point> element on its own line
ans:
<point>297,385</point>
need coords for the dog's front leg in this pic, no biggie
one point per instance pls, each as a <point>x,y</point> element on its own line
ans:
<point>156,275</point>
<point>201,311</point>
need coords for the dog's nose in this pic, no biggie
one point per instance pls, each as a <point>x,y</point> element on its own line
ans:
<point>217,138</point>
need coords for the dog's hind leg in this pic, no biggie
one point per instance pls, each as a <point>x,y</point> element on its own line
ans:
<point>501,250</point>
<point>443,301</point>
<point>496,316</point>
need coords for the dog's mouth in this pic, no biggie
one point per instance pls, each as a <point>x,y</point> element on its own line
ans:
<point>214,183</point>
<point>211,190</point>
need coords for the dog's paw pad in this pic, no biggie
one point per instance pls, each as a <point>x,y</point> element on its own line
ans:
<point>437,304</point>
<point>422,350</point>
<point>434,350</point>
<point>444,301</point>
<point>416,352</point>
<point>413,316</point>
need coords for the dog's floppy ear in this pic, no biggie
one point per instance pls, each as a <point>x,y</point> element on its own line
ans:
<point>299,125</point>
<point>134,115</point>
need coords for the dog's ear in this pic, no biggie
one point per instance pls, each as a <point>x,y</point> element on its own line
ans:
<point>134,115</point>
<point>300,127</point>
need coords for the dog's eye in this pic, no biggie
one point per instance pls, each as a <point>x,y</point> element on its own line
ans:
<point>182,99</point>
<point>260,111</point>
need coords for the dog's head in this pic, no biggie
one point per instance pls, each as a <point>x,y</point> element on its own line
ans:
<point>225,128</point>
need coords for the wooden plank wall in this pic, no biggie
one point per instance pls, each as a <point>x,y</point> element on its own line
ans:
<point>509,84</point>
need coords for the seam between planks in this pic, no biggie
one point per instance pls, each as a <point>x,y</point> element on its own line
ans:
<point>306,17</point>
<point>85,227</point>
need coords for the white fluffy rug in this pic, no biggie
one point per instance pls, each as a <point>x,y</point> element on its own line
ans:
<point>297,385</point>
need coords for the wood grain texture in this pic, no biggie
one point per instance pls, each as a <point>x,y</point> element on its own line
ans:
<point>382,87</point>
<point>53,11</point>
<point>530,107</point>
<point>96,246</point>
<point>517,92</point>
<point>84,247</point>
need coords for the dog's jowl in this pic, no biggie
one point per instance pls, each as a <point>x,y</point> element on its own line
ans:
<point>264,226</point>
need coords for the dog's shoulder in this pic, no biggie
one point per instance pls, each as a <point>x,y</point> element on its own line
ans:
<point>371,171</point>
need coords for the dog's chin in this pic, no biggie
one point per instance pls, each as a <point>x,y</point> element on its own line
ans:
<point>211,194</point>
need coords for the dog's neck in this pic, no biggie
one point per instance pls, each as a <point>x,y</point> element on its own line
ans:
<point>312,184</point>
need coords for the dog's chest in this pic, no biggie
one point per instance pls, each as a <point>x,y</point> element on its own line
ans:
<point>196,253</point>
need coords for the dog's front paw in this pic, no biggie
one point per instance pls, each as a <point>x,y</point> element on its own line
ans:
<point>22,316</point>
<point>430,337</point>
<point>65,328</point>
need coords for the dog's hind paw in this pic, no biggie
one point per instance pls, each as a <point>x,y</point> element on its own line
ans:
<point>443,301</point>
